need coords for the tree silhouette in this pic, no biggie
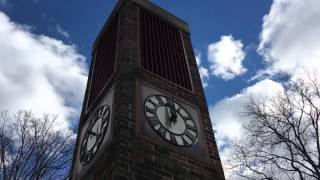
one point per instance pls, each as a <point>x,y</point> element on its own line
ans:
<point>282,135</point>
<point>30,148</point>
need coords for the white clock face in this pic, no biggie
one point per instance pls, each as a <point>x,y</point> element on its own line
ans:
<point>94,134</point>
<point>170,120</point>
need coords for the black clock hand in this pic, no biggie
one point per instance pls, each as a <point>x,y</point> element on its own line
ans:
<point>92,133</point>
<point>169,104</point>
<point>173,117</point>
<point>167,118</point>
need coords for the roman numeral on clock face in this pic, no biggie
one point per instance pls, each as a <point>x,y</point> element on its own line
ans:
<point>187,118</point>
<point>192,127</point>
<point>150,110</point>
<point>161,103</point>
<point>153,120</point>
<point>90,153</point>
<point>173,138</point>
<point>178,108</point>
<point>185,142</point>
<point>162,131</point>
<point>152,102</point>
<point>84,157</point>
<point>103,111</point>
<point>190,136</point>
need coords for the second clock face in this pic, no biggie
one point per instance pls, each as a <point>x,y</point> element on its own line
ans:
<point>170,120</point>
<point>94,134</point>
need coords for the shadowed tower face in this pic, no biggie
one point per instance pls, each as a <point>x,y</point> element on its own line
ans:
<point>144,114</point>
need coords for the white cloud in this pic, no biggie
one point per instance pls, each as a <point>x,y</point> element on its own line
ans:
<point>39,73</point>
<point>226,57</point>
<point>62,31</point>
<point>204,73</point>
<point>227,115</point>
<point>290,37</point>
<point>198,58</point>
<point>290,44</point>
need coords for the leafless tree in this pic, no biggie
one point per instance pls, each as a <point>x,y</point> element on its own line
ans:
<point>30,148</point>
<point>282,135</point>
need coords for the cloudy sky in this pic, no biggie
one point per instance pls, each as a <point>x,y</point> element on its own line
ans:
<point>242,47</point>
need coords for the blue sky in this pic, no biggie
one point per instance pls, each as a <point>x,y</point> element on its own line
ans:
<point>243,47</point>
<point>208,20</point>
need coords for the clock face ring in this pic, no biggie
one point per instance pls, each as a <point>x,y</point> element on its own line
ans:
<point>94,134</point>
<point>170,120</point>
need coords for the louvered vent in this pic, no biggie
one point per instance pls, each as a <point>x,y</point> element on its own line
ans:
<point>104,62</point>
<point>162,50</point>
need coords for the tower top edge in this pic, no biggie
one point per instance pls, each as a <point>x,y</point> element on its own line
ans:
<point>155,9</point>
<point>151,7</point>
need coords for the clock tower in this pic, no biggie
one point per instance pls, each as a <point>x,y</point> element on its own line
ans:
<point>144,115</point>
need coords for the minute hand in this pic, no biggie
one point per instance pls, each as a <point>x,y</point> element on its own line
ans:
<point>173,117</point>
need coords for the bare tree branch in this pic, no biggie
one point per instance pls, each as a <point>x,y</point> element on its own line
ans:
<point>30,148</point>
<point>282,135</point>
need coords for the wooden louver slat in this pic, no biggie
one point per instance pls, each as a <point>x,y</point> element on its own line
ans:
<point>104,62</point>
<point>162,50</point>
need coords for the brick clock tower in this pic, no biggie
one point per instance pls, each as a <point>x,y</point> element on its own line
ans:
<point>144,115</point>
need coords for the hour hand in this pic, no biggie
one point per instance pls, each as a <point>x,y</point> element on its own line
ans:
<point>173,117</point>
<point>92,133</point>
